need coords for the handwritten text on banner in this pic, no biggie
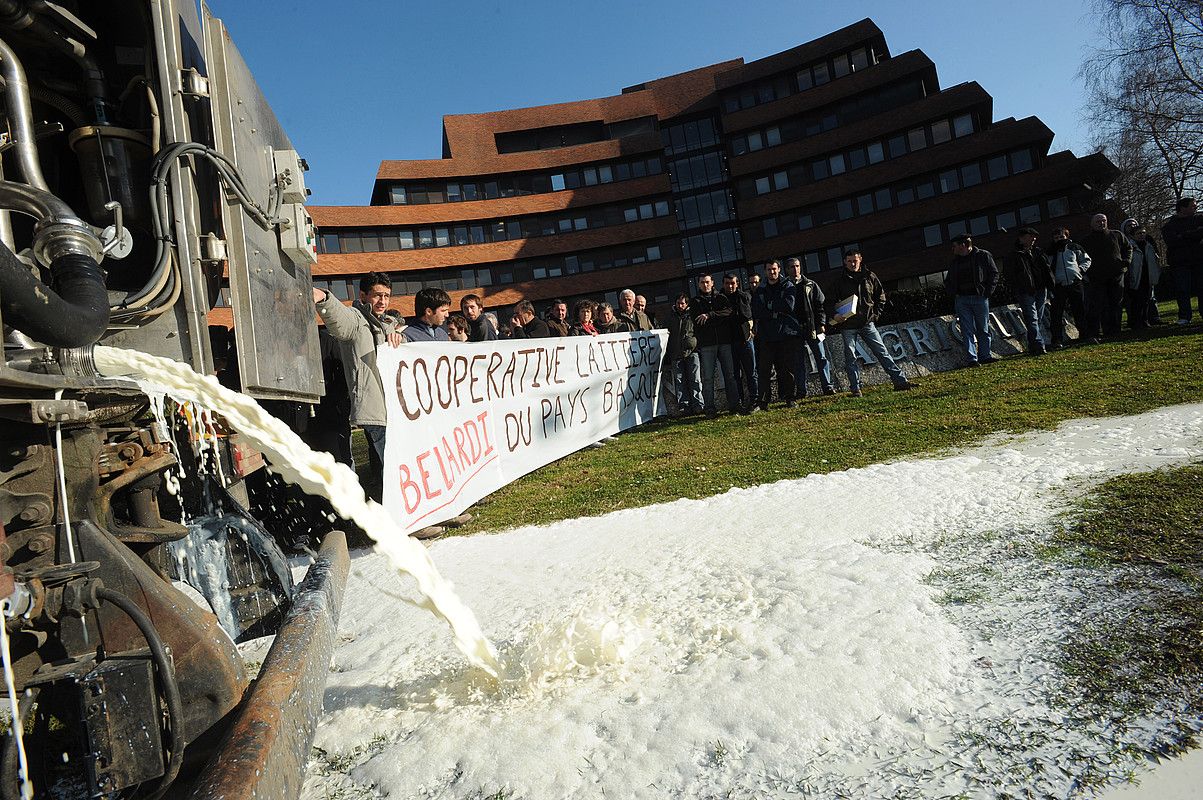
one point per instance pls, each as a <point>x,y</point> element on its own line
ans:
<point>466,419</point>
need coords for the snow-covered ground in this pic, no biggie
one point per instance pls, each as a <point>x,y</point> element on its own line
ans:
<point>877,631</point>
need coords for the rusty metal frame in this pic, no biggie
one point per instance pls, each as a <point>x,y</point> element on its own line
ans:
<point>264,753</point>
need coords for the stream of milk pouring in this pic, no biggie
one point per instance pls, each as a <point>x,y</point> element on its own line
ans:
<point>317,473</point>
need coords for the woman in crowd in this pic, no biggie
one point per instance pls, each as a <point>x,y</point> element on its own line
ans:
<point>584,319</point>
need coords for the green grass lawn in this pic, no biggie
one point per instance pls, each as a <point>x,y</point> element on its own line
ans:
<point>1147,530</point>
<point>665,460</point>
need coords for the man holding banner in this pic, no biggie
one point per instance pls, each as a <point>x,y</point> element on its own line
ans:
<point>359,331</point>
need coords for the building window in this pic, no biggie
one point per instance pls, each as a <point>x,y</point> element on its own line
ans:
<point>844,209</point>
<point>996,167</point>
<point>979,226</point>
<point>956,229</point>
<point>962,125</point>
<point>770,228</point>
<point>1058,207</point>
<point>557,183</point>
<point>932,235</point>
<point>876,153</point>
<point>812,262</point>
<point>762,186</point>
<point>780,180</point>
<point>971,175</point>
<point>837,164</point>
<point>941,132</point>
<point>397,195</point>
<point>1021,161</point>
<point>949,182</point>
<point>1029,215</point>
<point>917,138</point>
<point>1005,221</point>
<point>882,198</point>
<point>864,204</point>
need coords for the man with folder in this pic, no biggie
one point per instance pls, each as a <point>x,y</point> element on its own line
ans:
<point>856,300</point>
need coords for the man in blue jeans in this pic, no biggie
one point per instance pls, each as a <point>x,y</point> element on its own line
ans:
<point>809,308</point>
<point>971,279</point>
<point>856,300</point>
<point>1031,278</point>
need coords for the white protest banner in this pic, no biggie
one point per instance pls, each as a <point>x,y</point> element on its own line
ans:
<point>465,419</point>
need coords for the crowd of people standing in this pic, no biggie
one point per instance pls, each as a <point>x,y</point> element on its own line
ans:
<point>767,337</point>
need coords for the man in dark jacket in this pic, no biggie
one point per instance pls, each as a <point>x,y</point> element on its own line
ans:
<point>526,325</point>
<point>479,327</point>
<point>743,347</point>
<point>858,317</point>
<point>777,334</point>
<point>431,307</point>
<point>681,360</point>
<point>809,308</point>
<point>1110,253</point>
<point>1031,279</point>
<point>557,318</point>
<point>971,279</point>
<point>711,312</point>
<point>1183,235</point>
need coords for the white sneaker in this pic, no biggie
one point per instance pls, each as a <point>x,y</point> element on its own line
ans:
<point>1183,321</point>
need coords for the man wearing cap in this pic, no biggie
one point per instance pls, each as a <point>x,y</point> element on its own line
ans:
<point>1031,278</point>
<point>971,279</point>
<point>1110,254</point>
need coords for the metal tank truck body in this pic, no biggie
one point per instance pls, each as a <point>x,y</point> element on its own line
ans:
<point>141,169</point>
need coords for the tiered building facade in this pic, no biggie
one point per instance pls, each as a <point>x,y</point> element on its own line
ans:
<point>830,144</point>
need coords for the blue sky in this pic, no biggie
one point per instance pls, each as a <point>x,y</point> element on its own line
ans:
<point>364,80</point>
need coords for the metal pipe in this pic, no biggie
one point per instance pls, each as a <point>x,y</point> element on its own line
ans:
<point>59,229</point>
<point>20,117</point>
<point>265,750</point>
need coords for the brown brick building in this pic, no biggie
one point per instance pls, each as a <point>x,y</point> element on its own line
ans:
<point>832,143</point>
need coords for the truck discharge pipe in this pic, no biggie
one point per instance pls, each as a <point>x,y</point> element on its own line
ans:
<point>76,312</point>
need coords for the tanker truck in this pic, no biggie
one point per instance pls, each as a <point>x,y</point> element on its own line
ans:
<point>144,181</point>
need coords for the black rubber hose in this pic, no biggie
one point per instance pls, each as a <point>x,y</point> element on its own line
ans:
<point>74,314</point>
<point>171,689</point>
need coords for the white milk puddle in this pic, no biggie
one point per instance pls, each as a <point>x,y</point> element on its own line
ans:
<point>316,473</point>
<point>779,641</point>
